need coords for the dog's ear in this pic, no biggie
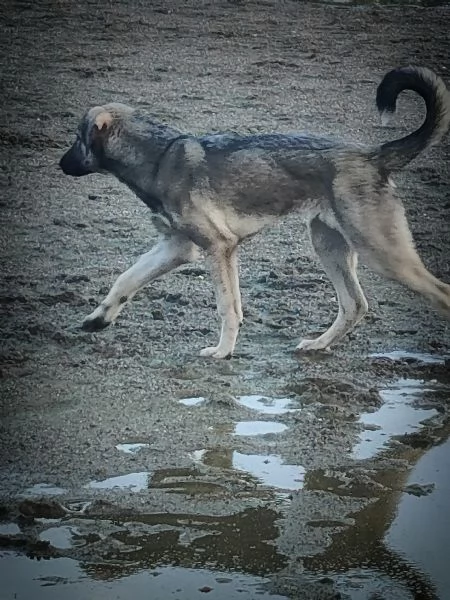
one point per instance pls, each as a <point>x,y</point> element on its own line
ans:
<point>103,121</point>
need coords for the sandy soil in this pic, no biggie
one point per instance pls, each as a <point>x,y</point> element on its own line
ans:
<point>68,398</point>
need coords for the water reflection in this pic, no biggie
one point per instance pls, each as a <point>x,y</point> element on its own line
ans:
<point>385,2</point>
<point>364,532</point>
<point>420,530</point>
<point>399,537</point>
<point>399,414</point>
<point>23,578</point>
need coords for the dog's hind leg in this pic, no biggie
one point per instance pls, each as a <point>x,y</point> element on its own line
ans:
<point>339,262</point>
<point>387,247</point>
<point>169,253</point>
<point>234,278</point>
<point>226,279</point>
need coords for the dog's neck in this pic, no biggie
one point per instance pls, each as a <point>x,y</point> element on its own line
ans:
<point>133,154</point>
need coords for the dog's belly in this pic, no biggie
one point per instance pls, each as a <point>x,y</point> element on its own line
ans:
<point>231,222</point>
<point>242,225</point>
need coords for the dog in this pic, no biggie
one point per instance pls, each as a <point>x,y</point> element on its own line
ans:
<point>211,192</point>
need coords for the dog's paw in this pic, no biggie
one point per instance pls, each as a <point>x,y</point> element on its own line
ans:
<point>312,346</point>
<point>94,323</point>
<point>214,352</point>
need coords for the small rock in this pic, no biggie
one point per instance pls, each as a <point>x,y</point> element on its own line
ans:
<point>172,297</point>
<point>194,271</point>
<point>77,278</point>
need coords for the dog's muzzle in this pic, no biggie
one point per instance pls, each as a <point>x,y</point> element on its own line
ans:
<point>70,164</point>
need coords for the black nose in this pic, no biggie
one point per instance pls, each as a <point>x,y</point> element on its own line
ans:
<point>71,164</point>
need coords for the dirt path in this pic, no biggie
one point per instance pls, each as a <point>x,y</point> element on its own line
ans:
<point>306,495</point>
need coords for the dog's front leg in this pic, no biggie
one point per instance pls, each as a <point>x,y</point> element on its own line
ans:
<point>169,253</point>
<point>225,277</point>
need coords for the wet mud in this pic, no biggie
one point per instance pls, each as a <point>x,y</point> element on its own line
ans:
<point>129,466</point>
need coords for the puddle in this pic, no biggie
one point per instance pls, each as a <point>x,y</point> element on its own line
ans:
<point>192,401</point>
<point>270,470</point>
<point>236,542</point>
<point>397,416</point>
<point>43,580</point>
<point>269,406</point>
<point>43,489</point>
<point>364,584</point>
<point>250,428</point>
<point>393,547</point>
<point>9,529</point>
<point>413,357</point>
<point>185,481</point>
<point>134,482</point>
<point>420,530</point>
<point>227,556</point>
<point>59,537</point>
<point>131,448</point>
<point>398,546</point>
<point>425,3</point>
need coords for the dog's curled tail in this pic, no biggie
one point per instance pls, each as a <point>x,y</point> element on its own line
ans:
<point>398,153</point>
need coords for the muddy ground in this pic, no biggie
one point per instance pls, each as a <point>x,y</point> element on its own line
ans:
<point>276,481</point>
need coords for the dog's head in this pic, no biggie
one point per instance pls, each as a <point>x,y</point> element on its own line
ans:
<point>97,127</point>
